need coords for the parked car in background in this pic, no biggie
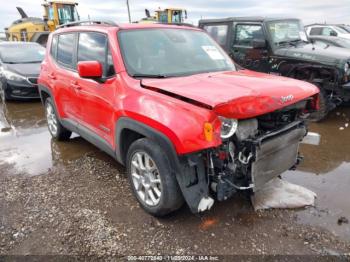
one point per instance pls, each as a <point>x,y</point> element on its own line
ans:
<point>281,47</point>
<point>345,27</point>
<point>168,103</point>
<point>19,70</point>
<point>327,41</point>
<point>328,30</point>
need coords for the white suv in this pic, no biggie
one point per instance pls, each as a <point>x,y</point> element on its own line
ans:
<point>327,30</point>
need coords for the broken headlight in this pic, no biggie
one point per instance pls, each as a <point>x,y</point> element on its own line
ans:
<point>228,127</point>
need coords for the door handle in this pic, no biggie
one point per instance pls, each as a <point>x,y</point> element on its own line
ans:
<point>52,76</point>
<point>75,85</point>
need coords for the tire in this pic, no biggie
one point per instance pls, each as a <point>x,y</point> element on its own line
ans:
<point>140,178</point>
<point>56,130</point>
<point>323,111</point>
<point>3,95</point>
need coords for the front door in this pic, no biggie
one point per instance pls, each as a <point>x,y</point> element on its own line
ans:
<point>243,51</point>
<point>97,97</point>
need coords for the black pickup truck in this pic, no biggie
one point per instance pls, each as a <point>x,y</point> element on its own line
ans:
<point>281,47</point>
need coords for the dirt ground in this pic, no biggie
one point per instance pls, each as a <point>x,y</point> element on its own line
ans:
<point>71,199</point>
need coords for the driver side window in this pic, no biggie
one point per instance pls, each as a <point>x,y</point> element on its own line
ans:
<point>245,34</point>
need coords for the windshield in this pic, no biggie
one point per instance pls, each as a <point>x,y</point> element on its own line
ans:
<point>286,31</point>
<point>171,52</point>
<point>22,54</point>
<point>346,28</point>
<point>67,13</point>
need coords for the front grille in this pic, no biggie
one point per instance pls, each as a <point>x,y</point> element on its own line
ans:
<point>33,80</point>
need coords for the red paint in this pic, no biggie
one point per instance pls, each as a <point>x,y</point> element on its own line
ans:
<point>90,69</point>
<point>98,105</point>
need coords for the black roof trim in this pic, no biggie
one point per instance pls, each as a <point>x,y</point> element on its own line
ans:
<point>88,22</point>
<point>245,19</point>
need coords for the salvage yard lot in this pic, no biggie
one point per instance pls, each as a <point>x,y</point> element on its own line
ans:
<point>70,198</point>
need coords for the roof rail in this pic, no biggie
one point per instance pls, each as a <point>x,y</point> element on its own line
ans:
<point>88,22</point>
<point>178,24</point>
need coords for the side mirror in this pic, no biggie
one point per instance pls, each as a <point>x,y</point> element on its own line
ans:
<point>90,69</point>
<point>333,33</point>
<point>259,43</point>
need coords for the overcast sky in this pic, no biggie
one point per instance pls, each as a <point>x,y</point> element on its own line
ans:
<point>336,11</point>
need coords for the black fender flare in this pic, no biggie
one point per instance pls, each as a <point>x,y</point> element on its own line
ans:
<point>189,169</point>
<point>126,123</point>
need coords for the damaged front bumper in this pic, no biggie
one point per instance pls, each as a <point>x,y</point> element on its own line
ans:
<point>218,173</point>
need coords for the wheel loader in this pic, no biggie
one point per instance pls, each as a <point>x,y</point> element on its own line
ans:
<point>167,16</point>
<point>34,29</point>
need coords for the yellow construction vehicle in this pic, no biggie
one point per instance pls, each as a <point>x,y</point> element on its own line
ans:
<point>168,16</point>
<point>34,29</point>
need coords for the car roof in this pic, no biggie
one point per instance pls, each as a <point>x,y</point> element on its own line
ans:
<point>115,27</point>
<point>260,19</point>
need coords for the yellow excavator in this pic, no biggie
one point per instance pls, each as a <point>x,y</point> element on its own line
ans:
<point>167,16</point>
<point>34,29</point>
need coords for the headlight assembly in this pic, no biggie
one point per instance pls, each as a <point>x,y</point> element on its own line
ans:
<point>13,76</point>
<point>228,127</point>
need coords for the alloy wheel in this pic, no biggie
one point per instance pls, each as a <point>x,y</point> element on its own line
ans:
<point>146,178</point>
<point>51,119</point>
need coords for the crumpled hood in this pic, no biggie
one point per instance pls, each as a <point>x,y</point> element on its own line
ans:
<point>248,92</point>
<point>32,69</point>
<point>330,55</point>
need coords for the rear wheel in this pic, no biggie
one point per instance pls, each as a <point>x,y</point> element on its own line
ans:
<point>153,184</point>
<point>56,130</point>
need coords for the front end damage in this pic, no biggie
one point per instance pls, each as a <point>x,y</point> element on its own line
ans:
<point>261,149</point>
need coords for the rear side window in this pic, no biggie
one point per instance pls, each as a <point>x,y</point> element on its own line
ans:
<point>245,34</point>
<point>316,31</point>
<point>65,49</point>
<point>53,48</point>
<point>94,47</point>
<point>218,32</point>
<point>327,31</point>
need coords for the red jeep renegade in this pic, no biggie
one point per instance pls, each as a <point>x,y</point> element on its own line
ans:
<point>170,105</point>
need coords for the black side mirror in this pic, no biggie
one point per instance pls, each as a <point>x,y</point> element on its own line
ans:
<point>259,43</point>
<point>333,33</point>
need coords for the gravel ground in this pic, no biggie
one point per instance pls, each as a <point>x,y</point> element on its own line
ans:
<point>86,208</point>
<point>71,199</point>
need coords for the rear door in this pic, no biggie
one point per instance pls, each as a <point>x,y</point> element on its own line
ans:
<point>243,51</point>
<point>97,97</point>
<point>62,73</point>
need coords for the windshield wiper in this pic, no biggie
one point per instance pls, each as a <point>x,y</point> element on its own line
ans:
<point>149,76</point>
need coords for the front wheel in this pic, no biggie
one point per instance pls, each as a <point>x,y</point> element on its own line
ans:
<point>153,184</point>
<point>56,130</point>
